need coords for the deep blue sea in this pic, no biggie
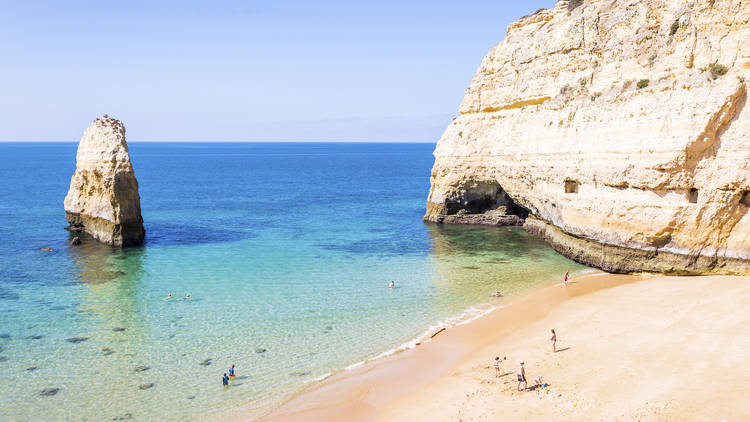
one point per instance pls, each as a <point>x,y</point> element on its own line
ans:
<point>286,250</point>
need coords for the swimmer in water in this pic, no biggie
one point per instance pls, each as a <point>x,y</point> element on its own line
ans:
<point>231,371</point>
<point>187,297</point>
<point>169,296</point>
<point>392,284</point>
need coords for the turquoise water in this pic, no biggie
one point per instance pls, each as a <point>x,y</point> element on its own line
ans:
<point>285,249</point>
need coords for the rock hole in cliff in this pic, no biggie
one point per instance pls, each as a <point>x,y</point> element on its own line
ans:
<point>571,186</point>
<point>486,197</point>
<point>745,198</point>
<point>692,196</point>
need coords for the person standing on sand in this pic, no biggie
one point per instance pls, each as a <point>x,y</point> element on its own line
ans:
<point>553,339</point>
<point>497,366</point>
<point>521,377</point>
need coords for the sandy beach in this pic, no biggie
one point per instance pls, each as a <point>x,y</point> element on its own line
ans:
<point>649,348</point>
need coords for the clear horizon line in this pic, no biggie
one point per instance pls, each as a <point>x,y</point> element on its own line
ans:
<point>234,141</point>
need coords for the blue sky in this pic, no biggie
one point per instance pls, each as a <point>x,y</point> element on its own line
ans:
<point>231,71</point>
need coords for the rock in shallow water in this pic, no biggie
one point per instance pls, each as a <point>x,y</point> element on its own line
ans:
<point>118,329</point>
<point>142,368</point>
<point>3,358</point>
<point>300,373</point>
<point>260,350</point>
<point>32,368</point>
<point>103,199</point>
<point>76,339</point>
<point>206,362</point>
<point>49,391</point>
<point>146,386</point>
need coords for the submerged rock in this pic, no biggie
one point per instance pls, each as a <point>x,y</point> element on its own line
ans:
<point>616,133</point>
<point>142,368</point>
<point>103,199</point>
<point>206,362</point>
<point>260,350</point>
<point>32,368</point>
<point>118,329</point>
<point>47,250</point>
<point>300,373</point>
<point>49,391</point>
<point>76,339</point>
<point>75,241</point>
<point>146,386</point>
<point>3,358</point>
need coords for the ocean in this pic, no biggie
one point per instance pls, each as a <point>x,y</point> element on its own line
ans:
<point>286,250</point>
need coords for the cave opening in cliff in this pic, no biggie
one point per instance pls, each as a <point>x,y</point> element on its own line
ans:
<point>692,196</point>
<point>484,198</point>
<point>745,198</point>
<point>571,186</point>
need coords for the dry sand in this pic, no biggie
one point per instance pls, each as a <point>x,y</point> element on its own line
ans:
<point>630,348</point>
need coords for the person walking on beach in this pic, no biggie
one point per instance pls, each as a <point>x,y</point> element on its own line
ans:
<point>565,279</point>
<point>521,377</point>
<point>231,371</point>
<point>497,366</point>
<point>553,339</point>
<point>225,380</point>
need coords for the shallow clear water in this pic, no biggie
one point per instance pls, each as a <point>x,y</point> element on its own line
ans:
<point>285,249</point>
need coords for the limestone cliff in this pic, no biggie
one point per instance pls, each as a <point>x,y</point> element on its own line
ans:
<point>620,127</point>
<point>103,199</point>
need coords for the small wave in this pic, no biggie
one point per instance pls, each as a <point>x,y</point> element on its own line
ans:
<point>465,317</point>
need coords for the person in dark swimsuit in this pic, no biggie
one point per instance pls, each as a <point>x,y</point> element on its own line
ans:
<point>225,380</point>
<point>553,339</point>
<point>521,377</point>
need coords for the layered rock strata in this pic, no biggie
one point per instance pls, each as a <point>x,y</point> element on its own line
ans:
<point>621,127</point>
<point>103,199</point>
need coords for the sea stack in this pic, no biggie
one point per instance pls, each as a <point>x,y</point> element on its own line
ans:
<point>617,130</point>
<point>103,199</point>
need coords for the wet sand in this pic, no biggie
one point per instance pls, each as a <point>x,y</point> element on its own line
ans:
<point>630,348</point>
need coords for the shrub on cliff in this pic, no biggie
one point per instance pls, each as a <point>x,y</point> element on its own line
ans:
<point>718,69</point>
<point>572,4</point>
<point>643,83</point>
<point>675,27</point>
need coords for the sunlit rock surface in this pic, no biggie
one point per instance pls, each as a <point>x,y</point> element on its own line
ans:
<point>620,127</point>
<point>103,199</point>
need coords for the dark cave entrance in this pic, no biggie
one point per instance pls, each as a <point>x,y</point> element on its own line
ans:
<point>484,198</point>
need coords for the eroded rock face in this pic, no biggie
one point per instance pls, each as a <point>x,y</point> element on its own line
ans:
<point>103,199</point>
<point>620,126</point>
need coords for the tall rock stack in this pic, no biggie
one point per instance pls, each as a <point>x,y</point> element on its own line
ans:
<point>103,199</point>
<point>620,127</point>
